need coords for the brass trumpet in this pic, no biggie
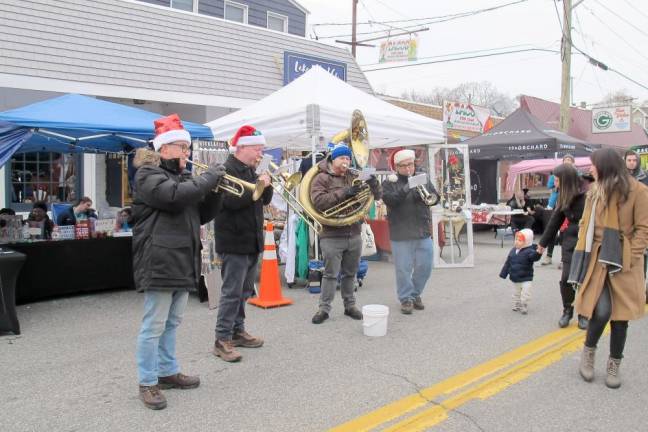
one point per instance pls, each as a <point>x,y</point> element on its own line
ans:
<point>427,198</point>
<point>234,185</point>
<point>289,181</point>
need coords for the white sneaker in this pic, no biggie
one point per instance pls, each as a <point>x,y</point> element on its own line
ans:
<point>546,261</point>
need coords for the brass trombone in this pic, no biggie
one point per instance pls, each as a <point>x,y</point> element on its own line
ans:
<point>234,185</point>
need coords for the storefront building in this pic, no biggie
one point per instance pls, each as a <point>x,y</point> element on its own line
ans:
<point>201,59</point>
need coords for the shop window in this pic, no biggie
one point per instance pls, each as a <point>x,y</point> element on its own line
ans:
<point>236,12</point>
<point>186,5</point>
<point>277,22</point>
<point>50,177</point>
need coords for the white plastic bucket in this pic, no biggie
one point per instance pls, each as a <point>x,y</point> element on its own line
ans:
<point>374,320</point>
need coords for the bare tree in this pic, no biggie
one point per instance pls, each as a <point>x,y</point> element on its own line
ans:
<point>481,93</point>
<point>618,97</point>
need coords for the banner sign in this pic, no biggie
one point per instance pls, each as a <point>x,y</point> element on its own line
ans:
<point>398,50</point>
<point>611,119</point>
<point>467,117</point>
<point>295,65</point>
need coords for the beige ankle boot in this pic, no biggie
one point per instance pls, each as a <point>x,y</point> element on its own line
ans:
<point>613,379</point>
<point>587,363</point>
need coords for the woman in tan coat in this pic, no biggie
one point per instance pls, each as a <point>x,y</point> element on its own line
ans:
<point>607,264</point>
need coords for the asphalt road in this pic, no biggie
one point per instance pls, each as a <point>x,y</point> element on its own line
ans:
<point>73,368</point>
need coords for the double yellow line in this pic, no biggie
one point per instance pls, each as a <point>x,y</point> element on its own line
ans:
<point>430,406</point>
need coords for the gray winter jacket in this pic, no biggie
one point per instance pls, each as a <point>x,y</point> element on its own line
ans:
<point>168,209</point>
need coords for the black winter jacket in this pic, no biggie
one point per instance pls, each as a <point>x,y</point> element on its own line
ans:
<point>569,238</point>
<point>409,218</point>
<point>239,223</point>
<point>519,266</point>
<point>168,209</point>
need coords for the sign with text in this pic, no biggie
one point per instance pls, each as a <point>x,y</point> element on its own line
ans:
<point>295,65</point>
<point>467,117</point>
<point>398,50</point>
<point>611,119</point>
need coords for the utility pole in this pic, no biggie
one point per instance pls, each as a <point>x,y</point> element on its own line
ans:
<point>353,28</point>
<point>565,54</point>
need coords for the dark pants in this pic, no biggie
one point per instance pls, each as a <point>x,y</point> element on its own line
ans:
<point>566,290</point>
<point>519,222</point>
<point>238,272</point>
<point>599,319</point>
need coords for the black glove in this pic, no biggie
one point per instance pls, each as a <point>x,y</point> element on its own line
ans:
<point>217,171</point>
<point>351,191</point>
<point>372,181</point>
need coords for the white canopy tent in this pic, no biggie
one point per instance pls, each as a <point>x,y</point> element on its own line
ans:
<point>319,104</point>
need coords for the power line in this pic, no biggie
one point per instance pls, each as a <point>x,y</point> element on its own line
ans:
<point>460,58</point>
<point>426,21</point>
<point>391,8</point>
<point>622,18</point>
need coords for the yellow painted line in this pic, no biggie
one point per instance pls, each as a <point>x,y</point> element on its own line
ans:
<point>413,402</point>
<point>438,413</point>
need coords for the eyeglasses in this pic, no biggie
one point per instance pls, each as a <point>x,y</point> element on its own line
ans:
<point>406,165</point>
<point>183,147</point>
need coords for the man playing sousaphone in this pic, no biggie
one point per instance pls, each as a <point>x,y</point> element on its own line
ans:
<point>341,245</point>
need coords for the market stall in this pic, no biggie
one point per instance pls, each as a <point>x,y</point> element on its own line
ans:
<point>84,257</point>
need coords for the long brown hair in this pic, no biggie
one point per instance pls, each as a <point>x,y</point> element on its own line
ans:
<point>570,184</point>
<point>612,175</point>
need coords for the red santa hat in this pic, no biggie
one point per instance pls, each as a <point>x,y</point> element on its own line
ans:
<point>399,156</point>
<point>169,129</point>
<point>246,135</point>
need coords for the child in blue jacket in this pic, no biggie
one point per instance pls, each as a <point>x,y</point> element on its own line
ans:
<point>519,268</point>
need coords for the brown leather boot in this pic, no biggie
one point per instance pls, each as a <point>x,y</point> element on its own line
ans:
<point>152,397</point>
<point>586,368</point>
<point>225,350</point>
<point>178,381</point>
<point>246,340</point>
<point>418,303</point>
<point>613,379</point>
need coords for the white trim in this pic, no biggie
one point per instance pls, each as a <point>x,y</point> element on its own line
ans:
<point>236,5</point>
<point>62,86</point>
<point>278,16</point>
<point>300,7</point>
<point>171,136</point>
<point>251,140</point>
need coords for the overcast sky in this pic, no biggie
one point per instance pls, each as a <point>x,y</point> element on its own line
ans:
<point>616,41</point>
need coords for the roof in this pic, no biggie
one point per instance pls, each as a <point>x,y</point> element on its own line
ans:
<point>549,112</point>
<point>523,136</point>
<point>142,51</point>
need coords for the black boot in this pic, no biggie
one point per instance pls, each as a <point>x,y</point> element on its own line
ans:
<point>582,322</point>
<point>568,314</point>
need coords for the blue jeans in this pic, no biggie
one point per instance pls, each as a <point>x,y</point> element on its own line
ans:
<point>413,264</point>
<point>156,343</point>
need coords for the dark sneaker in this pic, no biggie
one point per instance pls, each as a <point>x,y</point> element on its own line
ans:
<point>225,350</point>
<point>320,317</point>
<point>524,309</point>
<point>418,303</point>
<point>582,322</point>
<point>353,312</point>
<point>152,397</point>
<point>178,381</point>
<point>246,340</point>
<point>407,307</point>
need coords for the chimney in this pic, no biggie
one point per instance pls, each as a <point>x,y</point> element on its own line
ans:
<point>583,105</point>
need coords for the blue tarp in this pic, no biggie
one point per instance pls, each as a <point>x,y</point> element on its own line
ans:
<point>11,138</point>
<point>81,117</point>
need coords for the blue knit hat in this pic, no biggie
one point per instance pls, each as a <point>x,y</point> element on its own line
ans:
<point>340,150</point>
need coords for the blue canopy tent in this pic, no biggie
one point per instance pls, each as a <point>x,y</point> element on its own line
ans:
<point>74,123</point>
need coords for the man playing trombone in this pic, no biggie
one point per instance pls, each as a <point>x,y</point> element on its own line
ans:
<point>341,245</point>
<point>168,208</point>
<point>408,213</point>
<point>239,242</point>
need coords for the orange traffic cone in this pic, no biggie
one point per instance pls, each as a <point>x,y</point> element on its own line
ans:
<point>269,283</point>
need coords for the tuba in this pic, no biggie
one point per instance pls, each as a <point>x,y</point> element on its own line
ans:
<point>354,208</point>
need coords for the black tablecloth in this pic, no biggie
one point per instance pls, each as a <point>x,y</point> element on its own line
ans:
<point>55,268</point>
<point>10,264</point>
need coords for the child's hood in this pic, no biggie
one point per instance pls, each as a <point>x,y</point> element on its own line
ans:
<point>527,237</point>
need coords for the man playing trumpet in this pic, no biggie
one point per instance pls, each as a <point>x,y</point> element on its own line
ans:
<point>341,245</point>
<point>168,208</point>
<point>239,242</point>
<point>409,230</point>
